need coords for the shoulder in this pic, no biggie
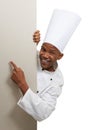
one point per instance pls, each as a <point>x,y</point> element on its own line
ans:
<point>59,76</point>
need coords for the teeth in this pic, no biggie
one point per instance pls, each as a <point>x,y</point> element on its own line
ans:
<point>45,60</point>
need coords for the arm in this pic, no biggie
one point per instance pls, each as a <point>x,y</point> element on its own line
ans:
<point>17,73</point>
<point>19,78</point>
<point>40,106</point>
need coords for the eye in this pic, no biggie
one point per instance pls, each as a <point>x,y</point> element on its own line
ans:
<point>43,49</point>
<point>52,52</point>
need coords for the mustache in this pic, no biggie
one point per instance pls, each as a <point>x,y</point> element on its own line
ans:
<point>44,59</point>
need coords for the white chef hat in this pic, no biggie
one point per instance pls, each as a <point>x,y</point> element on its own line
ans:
<point>61,27</point>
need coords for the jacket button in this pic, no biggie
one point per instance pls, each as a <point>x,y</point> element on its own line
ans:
<point>51,79</point>
<point>37,91</point>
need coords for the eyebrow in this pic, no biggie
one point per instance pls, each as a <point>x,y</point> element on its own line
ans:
<point>51,48</point>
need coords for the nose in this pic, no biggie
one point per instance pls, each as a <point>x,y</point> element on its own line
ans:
<point>45,55</point>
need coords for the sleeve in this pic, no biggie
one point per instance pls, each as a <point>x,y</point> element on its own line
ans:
<point>40,106</point>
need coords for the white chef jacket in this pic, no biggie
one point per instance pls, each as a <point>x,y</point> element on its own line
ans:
<point>42,103</point>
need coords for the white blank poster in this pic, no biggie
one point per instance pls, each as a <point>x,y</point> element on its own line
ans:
<point>17,24</point>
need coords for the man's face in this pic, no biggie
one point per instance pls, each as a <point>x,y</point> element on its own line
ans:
<point>49,54</point>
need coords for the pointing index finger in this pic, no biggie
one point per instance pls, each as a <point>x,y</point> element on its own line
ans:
<point>14,65</point>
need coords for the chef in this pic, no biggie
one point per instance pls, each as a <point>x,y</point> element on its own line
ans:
<point>41,104</point>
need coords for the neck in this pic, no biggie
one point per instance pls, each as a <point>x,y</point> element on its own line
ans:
<point>52,68</point>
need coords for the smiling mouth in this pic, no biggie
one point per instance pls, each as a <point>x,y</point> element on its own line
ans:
<point>45,61</point>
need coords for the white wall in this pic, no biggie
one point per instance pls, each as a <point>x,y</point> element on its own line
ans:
<point>73,106</point>
<point>17,24</point>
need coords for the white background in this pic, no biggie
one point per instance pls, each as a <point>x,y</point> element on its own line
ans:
<point>73,106</point>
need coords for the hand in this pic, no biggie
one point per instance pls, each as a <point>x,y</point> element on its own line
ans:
<point>18,77</point>
<point>36,37</point>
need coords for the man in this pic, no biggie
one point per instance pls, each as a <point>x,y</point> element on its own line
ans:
<point>49,82</point>
<point>49,78</point>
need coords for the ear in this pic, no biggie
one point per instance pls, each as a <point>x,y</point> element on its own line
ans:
<point>60,56</point>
